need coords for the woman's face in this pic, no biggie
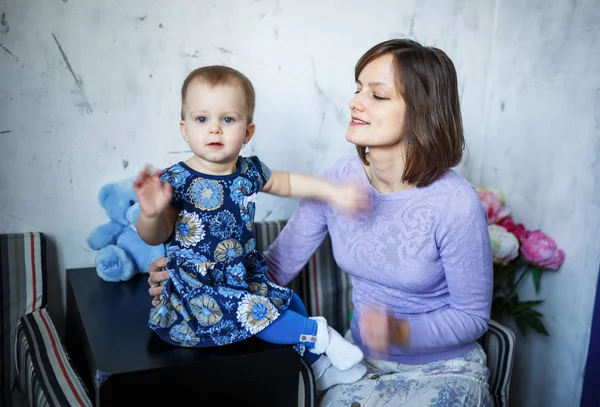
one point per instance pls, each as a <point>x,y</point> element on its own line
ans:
<point>377,108</point>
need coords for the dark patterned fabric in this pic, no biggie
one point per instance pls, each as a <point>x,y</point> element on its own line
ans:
<point>499,345</point>
<point>218,291</point>
<point>23,290</point>
<point>44,371</point>
<point>34,368</point>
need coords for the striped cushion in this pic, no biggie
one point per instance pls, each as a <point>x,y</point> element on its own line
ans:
<point>499,345</point>
<point>22,290</point>
<point>47,378</point>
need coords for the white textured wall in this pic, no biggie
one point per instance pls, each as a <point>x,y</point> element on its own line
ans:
<point>541,147</point>
<point>90,93</point>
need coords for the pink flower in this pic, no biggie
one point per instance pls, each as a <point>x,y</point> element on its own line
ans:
<point>516,229</point>
<point>540,250</point>
<point>492,203</point>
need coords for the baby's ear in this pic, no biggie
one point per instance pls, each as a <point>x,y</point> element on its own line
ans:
<point>250,129</point>
<point>105,192</point>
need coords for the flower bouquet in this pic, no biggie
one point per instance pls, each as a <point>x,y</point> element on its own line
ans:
<point>517,252</point>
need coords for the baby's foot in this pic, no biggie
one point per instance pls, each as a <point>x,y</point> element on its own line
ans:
<point>332,376</point>
<point>322,336</point>
<point>343,354</point>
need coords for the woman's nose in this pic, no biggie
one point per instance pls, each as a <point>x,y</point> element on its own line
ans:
<point>355,103</point>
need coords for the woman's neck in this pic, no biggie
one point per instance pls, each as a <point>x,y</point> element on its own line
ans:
<point>385,171</point>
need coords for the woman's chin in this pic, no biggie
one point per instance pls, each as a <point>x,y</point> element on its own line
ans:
<point>352,137</point>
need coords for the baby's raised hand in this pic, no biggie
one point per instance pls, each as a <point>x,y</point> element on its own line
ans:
<point>351,198</point>
<point>153,194</point>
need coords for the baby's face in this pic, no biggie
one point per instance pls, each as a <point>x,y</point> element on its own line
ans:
<point>215,123</point>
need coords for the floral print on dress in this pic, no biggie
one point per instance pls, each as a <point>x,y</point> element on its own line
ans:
<point>218,292</point>
<point>250,246</point>
<point>189,229</point>
<point>240,189</point>
<point>206,310</point>
<point>256,313</point>
<point>206,194</point>
<point>176,176</point>
<point>163,315</point>
<point>224,225</point>
<point>183,334</point>
<point>228,250</point>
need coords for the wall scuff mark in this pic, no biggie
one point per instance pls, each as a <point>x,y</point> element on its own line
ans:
<point>77,79</point>
<point>9,53</point>
<point>4,28</point>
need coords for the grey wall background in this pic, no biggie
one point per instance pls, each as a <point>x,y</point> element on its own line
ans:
<point>90,93</point>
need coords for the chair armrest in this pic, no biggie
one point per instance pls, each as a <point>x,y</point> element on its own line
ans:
<point>44,372</point>
<point>499,345</point>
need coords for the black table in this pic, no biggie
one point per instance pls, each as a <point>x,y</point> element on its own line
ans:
<point>123,362</point>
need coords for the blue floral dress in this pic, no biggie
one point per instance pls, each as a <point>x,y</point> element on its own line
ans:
<point>218,292</point>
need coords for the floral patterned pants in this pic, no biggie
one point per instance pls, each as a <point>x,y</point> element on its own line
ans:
<point>460,382</point>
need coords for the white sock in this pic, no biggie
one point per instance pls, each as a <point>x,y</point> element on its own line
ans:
<point>320,366</point>
<point>333,376</point>
<point>343,354</point>
<point>322,340</point>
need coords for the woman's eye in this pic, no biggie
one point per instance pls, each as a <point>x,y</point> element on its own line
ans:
<point>228,119</point>
<point>378,97</point>
<point>201,119</point>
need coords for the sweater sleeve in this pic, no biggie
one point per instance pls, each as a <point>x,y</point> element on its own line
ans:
<point>297,242</point>
<point>465,252</point>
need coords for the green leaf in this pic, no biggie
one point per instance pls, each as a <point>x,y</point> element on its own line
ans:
<point>522,325</point>
<point>536,323</point>
<point>537,278</point>
<point>525,307</point>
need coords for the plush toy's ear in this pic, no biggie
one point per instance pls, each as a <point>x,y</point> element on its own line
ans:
<point>106,191</point>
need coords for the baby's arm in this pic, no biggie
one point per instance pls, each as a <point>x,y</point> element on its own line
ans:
<point>155,230</point>
<point>350,198</point>
<point>157,217</point>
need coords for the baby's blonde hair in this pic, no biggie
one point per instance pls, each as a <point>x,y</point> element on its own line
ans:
<point>215,75</point>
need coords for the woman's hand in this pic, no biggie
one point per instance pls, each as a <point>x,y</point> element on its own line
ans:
<point>157,275</point>
<point>379,329</point>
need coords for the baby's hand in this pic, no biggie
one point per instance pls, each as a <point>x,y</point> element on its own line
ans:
<point>351,198</point>
<point>153,194</point>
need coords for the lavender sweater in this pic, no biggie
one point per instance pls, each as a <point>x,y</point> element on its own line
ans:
<point>423,253</point>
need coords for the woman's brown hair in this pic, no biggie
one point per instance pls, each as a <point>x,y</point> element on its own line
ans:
<point>433,131</point>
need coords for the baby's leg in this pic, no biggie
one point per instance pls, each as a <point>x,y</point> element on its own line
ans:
<point>294,327</point>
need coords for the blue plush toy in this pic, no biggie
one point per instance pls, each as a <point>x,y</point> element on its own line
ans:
<point>121,251</point>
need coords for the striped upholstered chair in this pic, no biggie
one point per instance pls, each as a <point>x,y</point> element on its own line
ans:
<point>34,367</point>
<point>326,291</point>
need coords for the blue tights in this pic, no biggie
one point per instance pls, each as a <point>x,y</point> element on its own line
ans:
<point>287,329</point>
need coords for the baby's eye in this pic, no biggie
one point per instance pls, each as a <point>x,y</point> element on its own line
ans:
<point>228,119</point>
<point>201,119</point>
